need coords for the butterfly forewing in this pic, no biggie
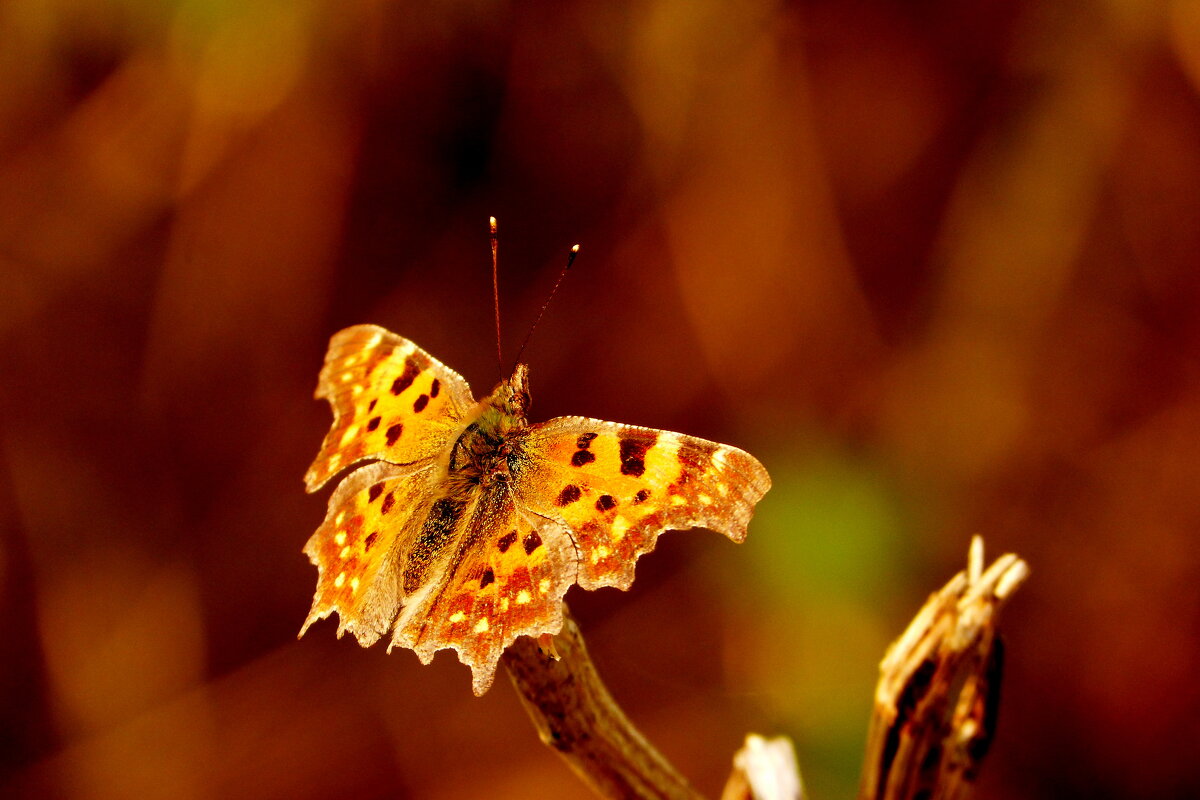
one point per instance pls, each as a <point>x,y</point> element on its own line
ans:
<point>391,400</point>
<point>617,487</point>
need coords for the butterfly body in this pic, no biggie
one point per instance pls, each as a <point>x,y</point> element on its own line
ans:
<point>472,482</point>
<point>470,523</point>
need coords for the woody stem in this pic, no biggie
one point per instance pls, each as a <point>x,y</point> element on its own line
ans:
<point>575,715</point>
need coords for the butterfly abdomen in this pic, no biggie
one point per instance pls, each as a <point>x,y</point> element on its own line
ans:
<point>437,530</point>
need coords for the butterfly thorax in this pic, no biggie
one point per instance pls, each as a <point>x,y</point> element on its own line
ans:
<point>488,450</point>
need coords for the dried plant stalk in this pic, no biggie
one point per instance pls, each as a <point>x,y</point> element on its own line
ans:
<point>933,720</point>
<point>575,715</point>
<point>938,693</point>
<point>764,769</point>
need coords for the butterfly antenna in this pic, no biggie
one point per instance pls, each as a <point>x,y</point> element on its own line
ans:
<point>496,294</point>
<point>570,260</point>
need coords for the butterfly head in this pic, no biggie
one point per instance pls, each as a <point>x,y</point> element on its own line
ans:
<point>512,396</point>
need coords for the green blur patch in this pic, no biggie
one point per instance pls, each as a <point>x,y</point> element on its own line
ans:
<point>814,581</point>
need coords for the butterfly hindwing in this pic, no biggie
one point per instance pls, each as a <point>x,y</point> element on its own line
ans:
<point>503,575</point>
<point>617,487</point>
<point>361,545</point>
<point>391,400</point>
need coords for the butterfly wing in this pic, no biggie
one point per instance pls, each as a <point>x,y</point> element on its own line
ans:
<point>391,400</point>
<point>372,519</point>
<point>617,487</point>
<point>499,573</point>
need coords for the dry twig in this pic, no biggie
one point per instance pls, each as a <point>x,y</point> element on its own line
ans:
<point>575,714</point>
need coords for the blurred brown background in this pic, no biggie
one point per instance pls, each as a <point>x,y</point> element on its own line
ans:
<point>935,263</point>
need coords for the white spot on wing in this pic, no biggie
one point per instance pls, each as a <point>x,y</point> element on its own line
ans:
<point>619,526</point>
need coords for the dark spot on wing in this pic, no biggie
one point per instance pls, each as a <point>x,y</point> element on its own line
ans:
<point>532,542</point>
<point>568,495</point>
<point>584,440</point>
<point>371,407</point>
<point>373,423</point>
<point>393,433</point>
<point>374,492</point>
<point>641,496</point>
<point>369,542</point>
<point>488,577</point>
<point>605,502</point>
<point>410,373</point>
<point>633,446</point>
<point>582,457</point>
<point>420,403</point>
<point>388,502</point>
<point>435,387</point>
<point>506,541</point>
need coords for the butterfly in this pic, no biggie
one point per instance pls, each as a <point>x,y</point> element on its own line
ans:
<point>469,524</point>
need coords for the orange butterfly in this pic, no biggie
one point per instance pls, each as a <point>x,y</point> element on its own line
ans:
<point>470,524</point>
